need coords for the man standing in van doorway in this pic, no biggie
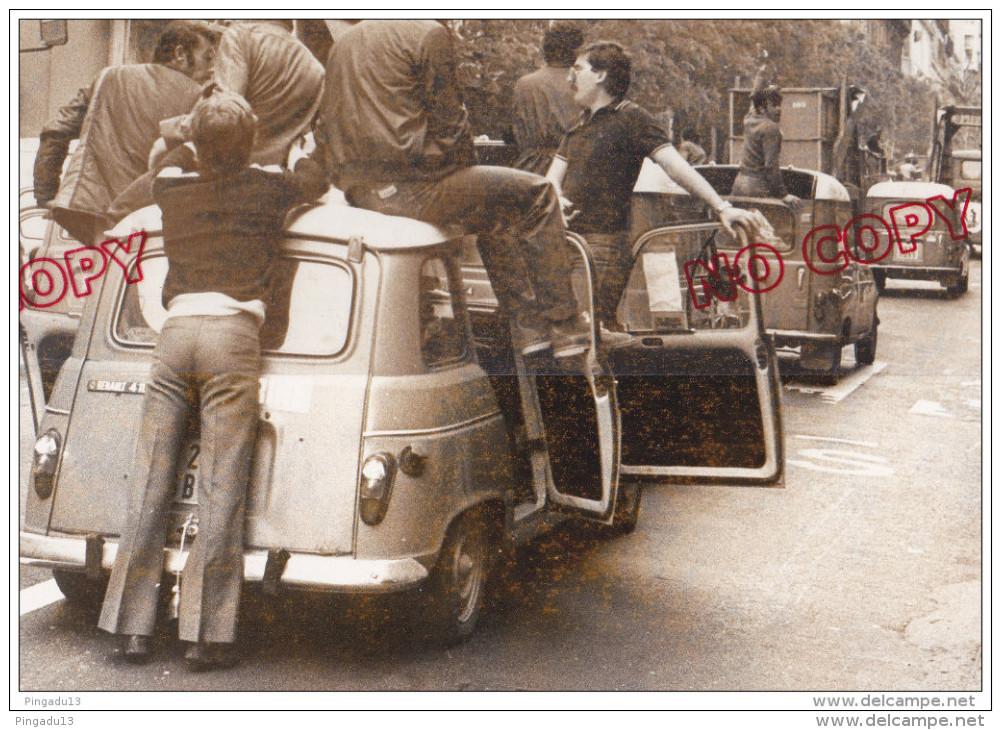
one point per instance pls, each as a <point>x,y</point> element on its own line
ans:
<point>760,175</point>
<point>117,120</point>
<point>398,142</point>
<point>599,162</point>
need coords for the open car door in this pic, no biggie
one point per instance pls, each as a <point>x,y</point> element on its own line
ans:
<point>575,400</point>
<point>563,410</point>
<point>698,386</point>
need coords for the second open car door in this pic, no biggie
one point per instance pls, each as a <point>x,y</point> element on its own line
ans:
<point>698,387</point>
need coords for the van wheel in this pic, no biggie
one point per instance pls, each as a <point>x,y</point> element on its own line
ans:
<point>627,510</point>
<point>454,590</point>
<point>880,278</point>
<point>865,349</point>
<point>80,590</point>
<point>962,286</point>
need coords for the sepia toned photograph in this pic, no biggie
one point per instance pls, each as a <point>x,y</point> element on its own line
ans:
<point>574,363</point>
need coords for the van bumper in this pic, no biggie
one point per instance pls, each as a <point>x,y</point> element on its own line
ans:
<point>333,573</point>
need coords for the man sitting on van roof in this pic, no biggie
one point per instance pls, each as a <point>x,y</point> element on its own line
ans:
<point>399,143</point>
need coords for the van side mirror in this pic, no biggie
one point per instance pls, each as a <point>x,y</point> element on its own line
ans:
<point>50,33</point>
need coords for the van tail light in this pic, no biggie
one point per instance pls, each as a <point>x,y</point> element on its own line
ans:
<point>44,462</point>
<point>377,475</point>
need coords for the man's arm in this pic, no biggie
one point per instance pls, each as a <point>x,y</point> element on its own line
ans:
<point>557,171</point>
<point>448,128</point>
<point>231,71</point>
<point>682,173</point>
<point>308,180</point>
<point>54,142</point>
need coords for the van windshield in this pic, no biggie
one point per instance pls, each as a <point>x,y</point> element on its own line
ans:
<point>308,311</point>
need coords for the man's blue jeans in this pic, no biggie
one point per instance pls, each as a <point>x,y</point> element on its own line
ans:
<point>214,362</point>
<point>516,218</point>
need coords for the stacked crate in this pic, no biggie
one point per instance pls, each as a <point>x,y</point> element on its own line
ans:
<point>811,119</point>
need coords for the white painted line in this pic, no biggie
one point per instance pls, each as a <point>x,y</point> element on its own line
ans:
<point>39,595</point>
<point>808,389</point>
<point>840,441</point>
<point>849,385</point>
<point>930,408</point>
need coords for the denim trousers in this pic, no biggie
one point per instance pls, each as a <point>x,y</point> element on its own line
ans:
<point>215,363</point>
<point>613,262</point>
<point>516,218</point>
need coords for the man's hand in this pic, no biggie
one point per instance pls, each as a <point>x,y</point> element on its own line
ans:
<point>738,217</point>
<point>567,210</point>
<point>157,152</point>
<point>793,202</point>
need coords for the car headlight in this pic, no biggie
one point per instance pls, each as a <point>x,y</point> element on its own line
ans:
<point>44,462</point>
<point>376,486</point>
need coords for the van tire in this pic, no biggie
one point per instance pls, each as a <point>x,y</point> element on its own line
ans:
<point>454,591</point>
<point>865,348</point>
<point>961,287</point>
<point>79,590</point>
<point>880,278</point>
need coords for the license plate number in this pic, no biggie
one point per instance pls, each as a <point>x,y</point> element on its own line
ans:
<point>915,255</point>
<point>187,477</point>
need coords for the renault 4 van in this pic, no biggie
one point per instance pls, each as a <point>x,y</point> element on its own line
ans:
<point>402,444</point>
<point>811,307</point>
<point>935,255</point>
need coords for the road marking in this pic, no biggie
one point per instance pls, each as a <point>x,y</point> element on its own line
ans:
<point>930,408</point>
<point>853,382</point>
<point>863,465</point>
<point>840,441</point>
<point>39,596</point>
<point>848,385</point>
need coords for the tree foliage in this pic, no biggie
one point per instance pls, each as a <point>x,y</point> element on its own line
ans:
<point>688,66</point>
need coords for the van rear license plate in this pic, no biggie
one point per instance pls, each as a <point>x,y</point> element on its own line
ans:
<point>916,255</point>
<point>187,477</point>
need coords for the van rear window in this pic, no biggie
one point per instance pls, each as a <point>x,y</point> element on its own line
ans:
<point>970,169</point>
<point>781,220</point>
<point>937,223</point>
<point>308,310</point>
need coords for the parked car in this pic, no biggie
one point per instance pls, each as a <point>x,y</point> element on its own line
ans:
<point>818,310</point>
<point>402,444</point>
<point>936,256</point>
<point>40,237</point>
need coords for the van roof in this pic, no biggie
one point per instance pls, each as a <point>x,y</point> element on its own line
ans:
<point>909,189</point>
<point>653,179</point>
<point>329,221</point>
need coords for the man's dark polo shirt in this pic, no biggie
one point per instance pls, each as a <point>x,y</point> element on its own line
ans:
<point>604,154</point>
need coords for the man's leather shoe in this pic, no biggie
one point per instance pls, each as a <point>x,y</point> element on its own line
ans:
<point>204,656</point>
<point>529,334</point>
<point>137,649</point>
<point>610,339</point>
